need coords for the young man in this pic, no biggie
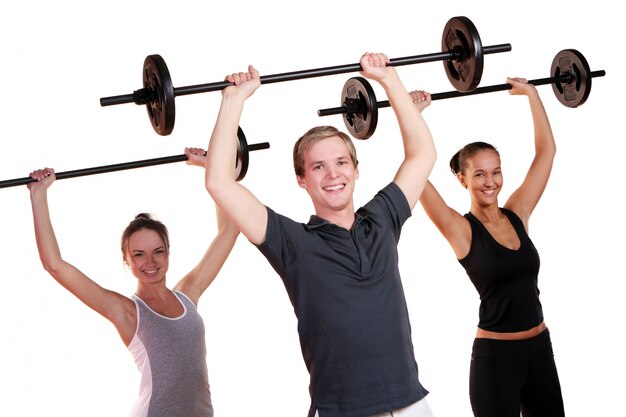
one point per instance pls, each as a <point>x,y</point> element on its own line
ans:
<point>341,269</point>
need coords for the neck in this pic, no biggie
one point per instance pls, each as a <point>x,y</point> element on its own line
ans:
<point>152,291</point>
<point>343,218</point>
<point>487,214</point>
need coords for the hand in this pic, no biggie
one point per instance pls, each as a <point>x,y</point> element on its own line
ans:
<point>246,83</point>
<point>196,156</point>
<point>374,66</point>
<point>43,179</point>
<point>520,86</point>
<point>421,99</point>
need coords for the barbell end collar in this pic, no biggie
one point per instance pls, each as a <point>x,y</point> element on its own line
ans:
<point>140,97</point>
<point>495,49</point>
<point>331,111</point>
<point>258,146</point>
<point>114,100</point>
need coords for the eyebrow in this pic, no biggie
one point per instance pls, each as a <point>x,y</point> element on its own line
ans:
<point>339,158</point>
<point>487,169</point>
<point>157,248</point>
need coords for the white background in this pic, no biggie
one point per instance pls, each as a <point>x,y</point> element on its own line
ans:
<point>58,358</point>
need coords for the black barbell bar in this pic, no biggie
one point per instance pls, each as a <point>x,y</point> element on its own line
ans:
<point>241,164</point>
<point>571,83</point>
<point>462,55</point>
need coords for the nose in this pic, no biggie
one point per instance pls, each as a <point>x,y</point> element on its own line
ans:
<point>150,259</point>
<point>332,171</point>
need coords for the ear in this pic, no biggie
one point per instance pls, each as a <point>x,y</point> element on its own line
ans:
<point>301,181</point>
<point>356,173</point>
<point>461,179</point>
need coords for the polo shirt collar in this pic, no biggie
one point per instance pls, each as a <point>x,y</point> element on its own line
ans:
<point>317,222</point>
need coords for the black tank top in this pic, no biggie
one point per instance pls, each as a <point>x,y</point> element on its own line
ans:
<point>505,279</point>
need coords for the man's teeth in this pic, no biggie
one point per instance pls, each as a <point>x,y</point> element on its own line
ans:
<point>334,187</point>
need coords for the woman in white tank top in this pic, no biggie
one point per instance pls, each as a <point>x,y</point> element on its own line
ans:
<point>160,327</point>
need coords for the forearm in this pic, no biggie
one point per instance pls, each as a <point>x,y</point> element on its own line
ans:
<point>419,149</point>
<point>220,249</point>
<point>222,149</point>
<point>544,139</point>
<point>195,283</point>
<point>416,136</point>
<point>47,244</point>
<point>524,200</point>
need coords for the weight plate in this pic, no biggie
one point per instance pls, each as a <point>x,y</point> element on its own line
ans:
<point>160,105</point>
<point>241,164</point>
<point>574,92</point>
<point>461,38</point>
<point>360,101</point>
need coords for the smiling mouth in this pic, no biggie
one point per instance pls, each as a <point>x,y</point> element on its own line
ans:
<point>150,271</point>
<point>335,187</point>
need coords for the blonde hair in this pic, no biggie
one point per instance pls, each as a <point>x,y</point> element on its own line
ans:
<point>311,137</point>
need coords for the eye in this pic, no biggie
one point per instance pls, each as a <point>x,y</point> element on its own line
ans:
<point>137,254</point>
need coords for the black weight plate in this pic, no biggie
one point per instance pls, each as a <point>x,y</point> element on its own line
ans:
<point>575,92</point>
<point>157,80</point>
<point>461,37</point>
<point>241,164</point>
<point>362,122</point>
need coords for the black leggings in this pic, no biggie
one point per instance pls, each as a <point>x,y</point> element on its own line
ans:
<point>509,376</point>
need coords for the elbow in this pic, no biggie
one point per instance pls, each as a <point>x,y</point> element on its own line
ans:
<point>229,233</point>
<point>52,266</point>
<point>216,186</point>
<point>211,183</point>
<point>218,181</point>
<point>212,186</point>
<point>548,150</point>
<point>432,156</point>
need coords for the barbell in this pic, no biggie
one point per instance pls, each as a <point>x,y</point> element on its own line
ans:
<point>462,53</point>
<point>571,83</point>
<point>241,164</point>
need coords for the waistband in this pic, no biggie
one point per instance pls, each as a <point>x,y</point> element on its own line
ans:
<point>489,347</point>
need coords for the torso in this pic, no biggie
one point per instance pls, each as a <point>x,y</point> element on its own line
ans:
<point>526,334</point>
<point>335,278</point>
<point>504,233</point>
<point>169,350</point>
<point>169,306</point>
<point>499,249</point>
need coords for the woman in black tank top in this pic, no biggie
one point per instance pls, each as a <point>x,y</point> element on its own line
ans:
<point>512,366</point>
